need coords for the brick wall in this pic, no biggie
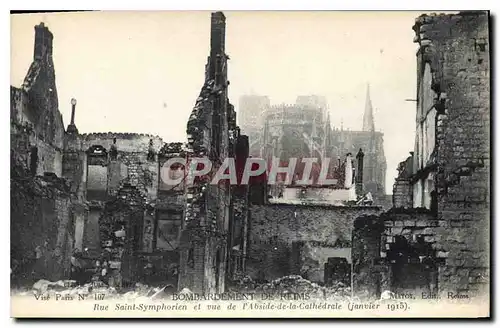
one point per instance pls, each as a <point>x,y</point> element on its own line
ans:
<point>457,48</point>
<point>273,229</point>
<point>402,250</point>
<point>402,193</point>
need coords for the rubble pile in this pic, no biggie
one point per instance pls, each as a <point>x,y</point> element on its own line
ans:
<point>294,284</point>
<point>242,284</point>
<point>338,291</point>
<point>64,288</point>
<point>145,292</point>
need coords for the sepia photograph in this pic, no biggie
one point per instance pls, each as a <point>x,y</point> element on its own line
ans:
<point>250,164</point>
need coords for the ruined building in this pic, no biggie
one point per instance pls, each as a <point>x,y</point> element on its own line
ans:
<point>101,194</point>
<point>41,223</point>
<point>304,130</point>
<point>91,193</point>
<point>436,236</point>
<point>206,239</point>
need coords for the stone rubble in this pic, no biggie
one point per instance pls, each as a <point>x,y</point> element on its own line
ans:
<point>141,292</point>
<point>294,284</point>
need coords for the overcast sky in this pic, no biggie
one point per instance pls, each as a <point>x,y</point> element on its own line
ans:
<point>142,71</point>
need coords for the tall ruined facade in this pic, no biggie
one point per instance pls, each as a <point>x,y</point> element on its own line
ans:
<point>451,160</point>
<point>437,234</point>
<point>41,202</point>
<point>98,194</point>
<point>213,134</point>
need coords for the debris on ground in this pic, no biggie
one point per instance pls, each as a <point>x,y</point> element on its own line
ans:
<point>243,284</point>
<point>293,284</point>
<point>42,286</point>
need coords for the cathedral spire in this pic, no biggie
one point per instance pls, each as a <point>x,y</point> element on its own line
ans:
<point>368,124</point>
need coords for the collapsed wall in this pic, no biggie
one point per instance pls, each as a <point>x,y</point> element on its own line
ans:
<point>289,239</point>
<point>400,250</point>
<point>41,228</point>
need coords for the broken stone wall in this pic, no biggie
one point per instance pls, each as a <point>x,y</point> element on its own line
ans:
<point>121,224</point>
<point>310,258</point>
<point>366,243</point>
<point>211,133</point>
<point>132,158</point>
<point>457,49</point>
<point>402,250</point>
<point>35,105</point>
<point>42,229</point>
<point>74,167</point>
<point>110,161</point>
<point>40,153</point>
<point>274,228</point>
<point>412,247</point>
<point>125,167</point>
<point>38,156</point>
<point>402,192</point>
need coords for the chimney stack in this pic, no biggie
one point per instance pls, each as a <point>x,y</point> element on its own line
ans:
<point>359,173</point>
<point>217,43</point>
<point>218,33</point>
<point>43,42</point>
